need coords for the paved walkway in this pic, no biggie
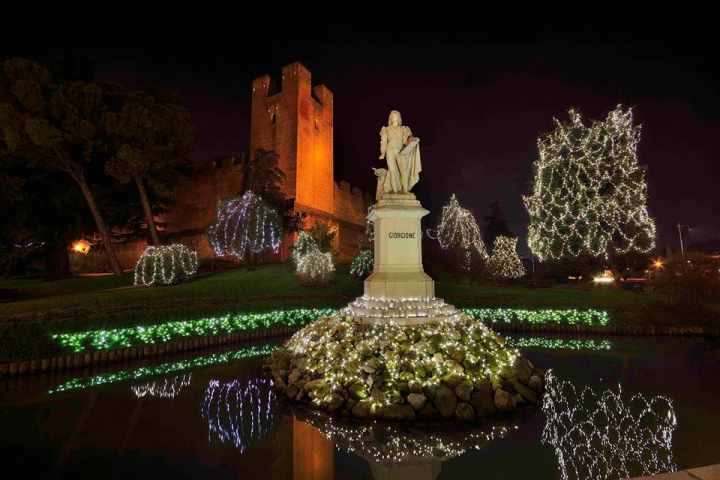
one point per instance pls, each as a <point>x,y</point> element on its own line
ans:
<point>711,472</point>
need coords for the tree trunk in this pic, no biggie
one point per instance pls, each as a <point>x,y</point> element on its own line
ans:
<point>57,263</point>
<point>148,211</point>
<point>100,223</point>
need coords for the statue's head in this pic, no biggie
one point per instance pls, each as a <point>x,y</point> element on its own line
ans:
<point>394,119</point>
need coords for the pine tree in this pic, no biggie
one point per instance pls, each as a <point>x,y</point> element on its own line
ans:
<point>458,229</point>
<point>589,195</point>
<point>495,224</point>
<point>504,262</point>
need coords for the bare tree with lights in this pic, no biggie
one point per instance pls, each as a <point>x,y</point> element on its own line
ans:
<point>589,195</point>
<point>458,229</point>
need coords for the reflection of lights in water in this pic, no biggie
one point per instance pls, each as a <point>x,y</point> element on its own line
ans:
<point>81,383</point>
<point>607,435</point>
<point>559,343</point>
<point>389,443</point>
<point>162,388</point>
<point>239,412</point>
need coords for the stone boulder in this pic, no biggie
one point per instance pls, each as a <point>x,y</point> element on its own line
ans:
<point>417,400</point>
<point>445,401</point>
<point>464,412</point>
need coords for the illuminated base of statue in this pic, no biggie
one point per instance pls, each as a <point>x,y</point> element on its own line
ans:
<point>398,274</point>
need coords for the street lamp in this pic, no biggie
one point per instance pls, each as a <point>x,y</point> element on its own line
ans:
<point>682,247</point>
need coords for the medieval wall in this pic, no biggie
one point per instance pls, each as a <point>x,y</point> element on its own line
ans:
<point>294,119</point>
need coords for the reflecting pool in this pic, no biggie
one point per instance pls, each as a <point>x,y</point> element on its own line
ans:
<point>614,407</point>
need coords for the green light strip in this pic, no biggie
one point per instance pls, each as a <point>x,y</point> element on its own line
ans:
<point>163,369</point>
<point>571,316</point>
<point>560,343</point>
<point>233,323</point>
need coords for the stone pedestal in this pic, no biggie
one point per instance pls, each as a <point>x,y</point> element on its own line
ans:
<point>398,271</point>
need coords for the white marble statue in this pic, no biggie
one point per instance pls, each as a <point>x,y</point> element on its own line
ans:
<point>402,152</point>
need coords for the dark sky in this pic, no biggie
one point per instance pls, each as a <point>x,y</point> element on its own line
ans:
<point>478,101</point>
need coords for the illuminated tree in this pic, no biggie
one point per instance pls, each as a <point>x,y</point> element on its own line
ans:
<point>504,262</point>
<point>245,226</point>
<point>458,229</point>
<point>363,263</point>
<point>589,196</point>
<point>312,264</point>
<point>165,265</point>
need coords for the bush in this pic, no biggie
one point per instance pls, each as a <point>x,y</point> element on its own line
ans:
<point>695,277</point>
<point>165,265</point>
<point>315,267</point>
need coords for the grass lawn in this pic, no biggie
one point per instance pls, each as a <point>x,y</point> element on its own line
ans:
<point>109,301</point>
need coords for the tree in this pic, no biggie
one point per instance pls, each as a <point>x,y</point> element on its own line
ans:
<point>458,229</point>
<point>245,226</point>
<point>150,134</point>
<point>495,224</point>
<point>55,126</point>
<point>263,176</point>
<point>589,195</point>
<point>504,262</point>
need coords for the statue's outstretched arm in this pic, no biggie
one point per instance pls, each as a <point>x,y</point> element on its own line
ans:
<point>383,142</point>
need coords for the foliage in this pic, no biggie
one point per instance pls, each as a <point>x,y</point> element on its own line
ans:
<point>504,262</point>
<point>363,263</point>
<point>165,265</point>
<point>458,230</point>
<point>312,256</point>
<point>495,224</point>
<point>589,194</point>
<point>150,135</point>
<point>245,227</point>
<point>688,280</point>
<point>55,126</point>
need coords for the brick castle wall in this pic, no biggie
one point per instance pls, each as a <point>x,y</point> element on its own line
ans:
<point>295,121</point>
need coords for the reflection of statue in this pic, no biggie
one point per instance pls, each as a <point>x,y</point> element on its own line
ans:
<point>398,452</point>
<point>607,435</point>
<point>402,152</point>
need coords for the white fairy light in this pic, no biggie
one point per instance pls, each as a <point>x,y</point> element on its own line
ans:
<point>165,265</point>
<point>245,225</point>
<point>363,262</point>
<point>338,349</point>
<point>459,229</point>
<point>589,194</point>
<point>504,262</point>
<point>239,412</point>
<point>164,388</point>
<point>312,264</point>
<point>387,443</point>
<point>607,435</point>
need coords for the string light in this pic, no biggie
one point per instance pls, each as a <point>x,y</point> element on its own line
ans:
<point>124,337</point>
<point>164,388</point>
<point>362,264</point>
<point>82,383</point>
<point>388,443</point>
<point>504,262</point>
<point>560,343</point>
<point>245,225</point>
<point>339,351</point>
<point>165,265</point>
<point>607,435</point>
<point>589,193</point>
<point>459,229</point>
<point>238,412</point>
<point>312,264</point>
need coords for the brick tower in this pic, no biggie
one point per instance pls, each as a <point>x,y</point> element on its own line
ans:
<point>297,123</point>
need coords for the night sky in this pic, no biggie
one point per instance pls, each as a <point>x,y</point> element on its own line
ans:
<point>478,101</point>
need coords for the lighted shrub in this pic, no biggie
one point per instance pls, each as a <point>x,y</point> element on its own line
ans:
<point>165,265</point>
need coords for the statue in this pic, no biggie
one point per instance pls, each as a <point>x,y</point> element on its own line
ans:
<point>402,152</point>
